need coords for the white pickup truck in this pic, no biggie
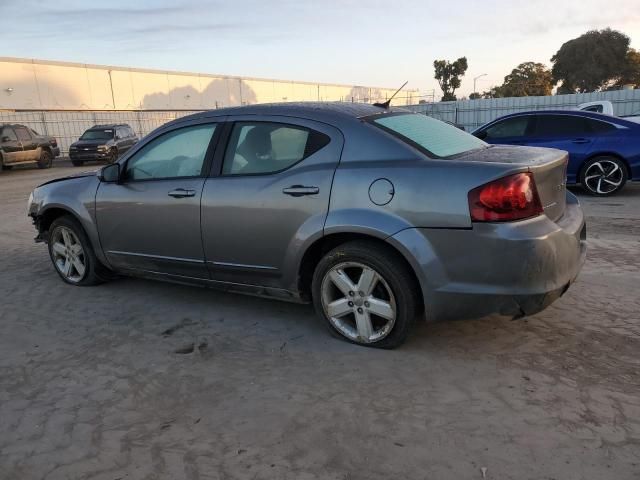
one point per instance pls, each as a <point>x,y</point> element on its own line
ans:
<point>606,107</point>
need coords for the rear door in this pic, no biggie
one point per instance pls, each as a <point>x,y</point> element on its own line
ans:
<point>565,132</point>
<point>510,131</point>
<point>269,194</point>
<point>150,221</point>
<point>11,146</point>
<point>29,146</point>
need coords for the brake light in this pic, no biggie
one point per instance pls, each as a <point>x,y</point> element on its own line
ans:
<point>510,198</point>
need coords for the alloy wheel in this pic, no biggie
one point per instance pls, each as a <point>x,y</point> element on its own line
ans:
<point>603,177</point>
<point>68,254</point>
<point>358,302</point>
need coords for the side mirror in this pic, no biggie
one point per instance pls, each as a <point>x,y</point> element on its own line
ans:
<point>5,139</point>
<point>110,173</point>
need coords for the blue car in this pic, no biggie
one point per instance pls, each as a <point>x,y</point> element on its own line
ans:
<point>604,151</point>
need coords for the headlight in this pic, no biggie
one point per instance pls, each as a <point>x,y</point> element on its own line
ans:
<point>102,147</point>
<point>73,147</point>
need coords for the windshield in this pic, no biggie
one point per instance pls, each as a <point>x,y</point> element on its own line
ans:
<point>435,137</point>
<point>97,135</point>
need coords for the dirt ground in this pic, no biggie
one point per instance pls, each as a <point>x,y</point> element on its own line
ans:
<point>95,382</point>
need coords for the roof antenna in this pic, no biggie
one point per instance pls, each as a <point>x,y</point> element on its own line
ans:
<point>386,104</point>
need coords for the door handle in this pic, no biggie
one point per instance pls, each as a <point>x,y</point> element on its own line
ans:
<point>300,190</point>
<point>580,140</point>
<point>182,193</point>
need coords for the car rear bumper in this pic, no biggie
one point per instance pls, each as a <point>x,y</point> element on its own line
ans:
<point>514,269</point>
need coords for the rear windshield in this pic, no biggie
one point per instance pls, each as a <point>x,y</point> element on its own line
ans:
<point>436,138</point>
<point>97,134</point>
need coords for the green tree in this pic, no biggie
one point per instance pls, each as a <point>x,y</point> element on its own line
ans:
<point>493,92</point>
<point>631,72</point>
<point>526,80</point>
<point>591,61</point>
<point>475,96</point>
<point>448,76</point>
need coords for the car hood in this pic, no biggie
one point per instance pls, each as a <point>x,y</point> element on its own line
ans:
<point>90,173</point>
<point>86,143</point>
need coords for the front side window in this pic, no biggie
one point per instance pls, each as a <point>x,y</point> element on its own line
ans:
<point>8,132</point>
<point>426,133</point>
<point>179,153</point>
<point>560,125</point>
<point>511,127</point>
<point>23,134</point>
<point>263,147</point>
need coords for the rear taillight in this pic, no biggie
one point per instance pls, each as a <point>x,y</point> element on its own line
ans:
<point>510,198</point>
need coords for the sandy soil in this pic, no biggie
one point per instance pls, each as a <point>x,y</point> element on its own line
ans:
<point>94,382</point>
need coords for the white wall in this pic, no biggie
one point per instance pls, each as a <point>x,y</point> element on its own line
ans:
<point>38,84</point>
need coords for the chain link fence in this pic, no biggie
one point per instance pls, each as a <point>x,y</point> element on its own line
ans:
<point>68,126</point>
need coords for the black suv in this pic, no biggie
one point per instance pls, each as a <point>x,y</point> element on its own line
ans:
<point>20,144</point>
<point>102,142</point>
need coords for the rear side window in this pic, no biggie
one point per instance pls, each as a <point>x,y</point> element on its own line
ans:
<point>265,147</point>
<point>511,127</point>
<point>560,125</point>
<point>597,126</point>
<point>433,136</point>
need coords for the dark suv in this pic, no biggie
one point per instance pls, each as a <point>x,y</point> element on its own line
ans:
<point>20,145</point>
<point>102,142</point>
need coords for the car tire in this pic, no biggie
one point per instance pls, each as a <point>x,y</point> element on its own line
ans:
<point>366,294</point>
<point>77,163</point>
<point>46,159</point>
<point>113,156</point>
<point>603,176</point>
<point>69,249</point>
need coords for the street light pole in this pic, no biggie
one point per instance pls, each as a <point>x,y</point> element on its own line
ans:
<point>474,81</point>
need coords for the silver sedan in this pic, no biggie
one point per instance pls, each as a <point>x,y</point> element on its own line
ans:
<point>376,215</point>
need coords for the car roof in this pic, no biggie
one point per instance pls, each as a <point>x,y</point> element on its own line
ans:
<point>323,111</point>
<point>574,113</point>
<point>109,125</point>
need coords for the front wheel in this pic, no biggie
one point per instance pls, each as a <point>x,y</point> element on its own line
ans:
<point>113,156</point>
<point>603,176</point>
<point>72,255</point>
<point>366,294</point>
<point>46,159</point>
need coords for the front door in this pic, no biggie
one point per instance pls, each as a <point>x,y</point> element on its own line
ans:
<point>150,221</point>
<point>11,147</point>
<point>271,193</point>
<point>29,146</point>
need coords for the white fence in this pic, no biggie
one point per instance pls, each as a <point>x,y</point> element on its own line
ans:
<point>474,113</point>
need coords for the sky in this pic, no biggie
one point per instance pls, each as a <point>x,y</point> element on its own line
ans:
<point>367,42</point>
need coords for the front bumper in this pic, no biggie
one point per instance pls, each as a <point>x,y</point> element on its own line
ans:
<point>87,156</point>
<point>513,269</point>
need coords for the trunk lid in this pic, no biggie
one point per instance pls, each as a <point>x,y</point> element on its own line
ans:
<point>548,166</point>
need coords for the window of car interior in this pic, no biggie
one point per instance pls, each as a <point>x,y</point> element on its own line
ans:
<point>23,133</point>
<point>257,148</point>
<point>511,127</point>
<point>8,132</point>
<point>596,126</point>
<point>560,125</point>
<point>179,153</point>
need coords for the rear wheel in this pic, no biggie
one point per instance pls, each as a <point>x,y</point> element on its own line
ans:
<point>366,294</point>
<point>603,176</point>
<point>46,159</point>
<point>72,255</point>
